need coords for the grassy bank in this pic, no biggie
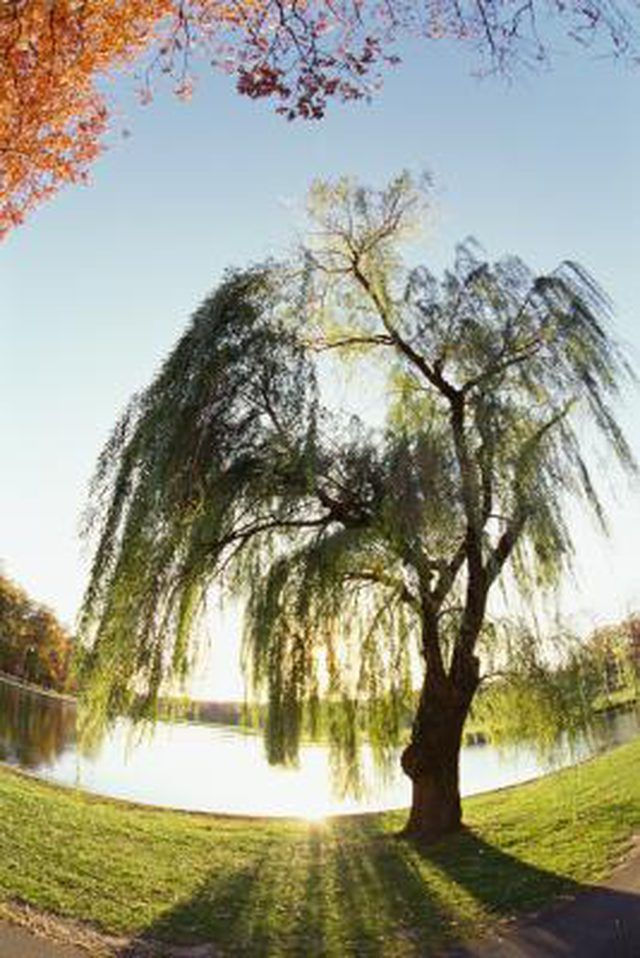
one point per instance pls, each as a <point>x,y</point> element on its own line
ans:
<point>346,887</point>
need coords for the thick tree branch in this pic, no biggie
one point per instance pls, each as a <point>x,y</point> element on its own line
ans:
<point>347,341</point>
<point>400,588</point>
<point>430,373</point>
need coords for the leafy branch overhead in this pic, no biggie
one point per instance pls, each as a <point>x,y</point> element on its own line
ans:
<point>55,56</point>
<point>365,557</point>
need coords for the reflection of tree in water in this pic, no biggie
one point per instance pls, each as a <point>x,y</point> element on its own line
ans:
<point>617,726</point>
<point>34,729</point>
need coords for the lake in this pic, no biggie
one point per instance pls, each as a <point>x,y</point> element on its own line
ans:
<point>214,768</point>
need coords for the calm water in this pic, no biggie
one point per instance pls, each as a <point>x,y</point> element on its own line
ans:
<point>219,769</point>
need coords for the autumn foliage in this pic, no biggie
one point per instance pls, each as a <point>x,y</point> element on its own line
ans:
<point>55,54</point>
<point>33,645</point>
<point>52,116</point>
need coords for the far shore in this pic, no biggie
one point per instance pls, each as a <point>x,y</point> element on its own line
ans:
<point>231,713</point>
<point>36,689</point>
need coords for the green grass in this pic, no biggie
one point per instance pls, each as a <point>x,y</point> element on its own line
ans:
<point>348,887</point>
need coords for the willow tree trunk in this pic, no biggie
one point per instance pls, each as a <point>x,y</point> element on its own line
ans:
<point>431,760</point>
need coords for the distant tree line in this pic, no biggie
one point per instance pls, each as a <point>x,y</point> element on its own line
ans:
<point>617,648</point>
<point>34,646</point>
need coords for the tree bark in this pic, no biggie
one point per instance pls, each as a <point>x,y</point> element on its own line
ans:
<point>431,760</point>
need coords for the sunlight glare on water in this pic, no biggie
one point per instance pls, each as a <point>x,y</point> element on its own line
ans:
<point>220,769</point>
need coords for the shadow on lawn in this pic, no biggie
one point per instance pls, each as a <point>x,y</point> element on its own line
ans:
<point>351,889</point>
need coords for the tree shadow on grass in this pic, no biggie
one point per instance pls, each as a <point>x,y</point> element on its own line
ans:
<point>349,888</point>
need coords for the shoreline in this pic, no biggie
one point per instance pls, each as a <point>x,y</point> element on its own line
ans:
<point>337,817</point>
<point>20,683</point>
<point>72,784</point>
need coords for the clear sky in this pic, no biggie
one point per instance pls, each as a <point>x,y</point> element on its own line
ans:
<point>97,286</point>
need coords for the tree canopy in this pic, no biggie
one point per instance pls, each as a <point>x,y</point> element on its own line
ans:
<point>33,644</point>
<point>54,58</point>
<point>365,556</point>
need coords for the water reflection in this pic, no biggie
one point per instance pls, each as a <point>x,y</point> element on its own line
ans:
<point>218,769</point>
<point>35,730</point>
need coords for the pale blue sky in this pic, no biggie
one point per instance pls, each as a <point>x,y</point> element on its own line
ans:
<point>96,287</point>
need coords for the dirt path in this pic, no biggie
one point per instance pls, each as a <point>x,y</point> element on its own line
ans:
<point>602,922</point>
<point>16,942</point>
<point>27,933</point>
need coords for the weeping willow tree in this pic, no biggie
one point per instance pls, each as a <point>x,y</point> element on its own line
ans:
<point>365,557</point>
<point>545,692</point>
